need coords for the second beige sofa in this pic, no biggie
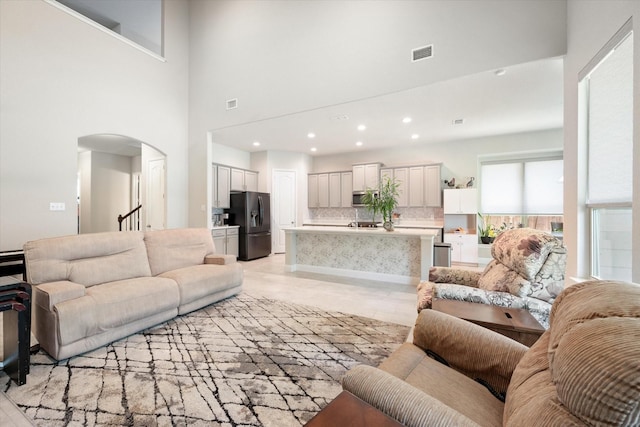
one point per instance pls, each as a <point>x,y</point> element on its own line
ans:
<point>92,289</point>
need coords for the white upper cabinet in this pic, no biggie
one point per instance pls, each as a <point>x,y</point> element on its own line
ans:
<point>372,175</point>
<point>335,190</point>
<point>318,195</point>
<point>346,189</point>
<point>237,180</point>
<point>221,186</point>
<point>416,186</point>
<point>250,181</point>
<point>358,178</point>
<point>366,176</point>
<point>323,190</point>
<point>244,180</point>
<point>433,192</point>
<point>312,195</point>
<point>461,201</point>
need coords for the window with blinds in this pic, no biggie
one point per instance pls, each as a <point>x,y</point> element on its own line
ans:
<point>609,102</point>
<point>522,187</point>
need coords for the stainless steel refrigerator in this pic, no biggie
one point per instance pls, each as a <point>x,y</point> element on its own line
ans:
<point>252,212</point>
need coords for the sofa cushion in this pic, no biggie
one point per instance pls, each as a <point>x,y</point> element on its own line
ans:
<point>549,282</point>
<point>450,387</point>
<point>177,248</point>
<point>87,259</point>
<point>497,277</point>
<point>524,250</point>
<point>114,304</point>
<point>198,281</point>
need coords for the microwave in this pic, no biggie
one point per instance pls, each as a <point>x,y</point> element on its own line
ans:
<point>356,200</point>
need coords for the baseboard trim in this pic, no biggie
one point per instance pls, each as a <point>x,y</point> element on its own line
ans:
<point>356,274</point>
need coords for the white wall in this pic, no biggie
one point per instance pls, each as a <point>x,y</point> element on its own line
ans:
<point>62,79</point>
<point>590,25</point>
<point>111,188</point>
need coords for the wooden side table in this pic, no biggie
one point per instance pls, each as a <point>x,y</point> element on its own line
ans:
<point>515,323</point>
<point>347,410</point>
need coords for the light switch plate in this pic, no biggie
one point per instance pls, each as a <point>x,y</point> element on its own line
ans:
<point>57,206</point>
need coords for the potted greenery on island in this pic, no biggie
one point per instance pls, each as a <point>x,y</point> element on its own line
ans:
<point>383,201</point>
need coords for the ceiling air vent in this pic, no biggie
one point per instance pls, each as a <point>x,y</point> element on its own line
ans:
<point>232,103</point>
<point>420,53</point>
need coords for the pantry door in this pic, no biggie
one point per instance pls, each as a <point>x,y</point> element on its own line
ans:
<point>283,202</point>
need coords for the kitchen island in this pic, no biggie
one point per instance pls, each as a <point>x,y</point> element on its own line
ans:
<point>400,256</point>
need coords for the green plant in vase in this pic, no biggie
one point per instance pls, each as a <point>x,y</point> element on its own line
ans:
<point>487,231</point>
<point>383,201</point>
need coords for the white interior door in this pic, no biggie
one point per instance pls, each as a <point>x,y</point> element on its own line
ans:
<point>283,207</point>
<point>155,195</point>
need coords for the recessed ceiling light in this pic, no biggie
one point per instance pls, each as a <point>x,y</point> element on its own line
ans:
<point>359,143</point>
<point>500,72</point>
<point>406,120</point>
<point>415,136</point>
<point>314,149</point>
<point>256,144</point>
<point>361,127</point>
<point>311,135</point>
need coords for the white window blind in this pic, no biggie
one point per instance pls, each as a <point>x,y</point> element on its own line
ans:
<point>543,187</point>
<point>610,128</point>
<point>516,187</point>
<point>501,188</point>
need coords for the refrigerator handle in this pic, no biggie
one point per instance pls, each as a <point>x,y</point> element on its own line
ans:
<point>261,210</point>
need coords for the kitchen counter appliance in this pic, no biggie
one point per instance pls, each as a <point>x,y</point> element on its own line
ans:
<point>252,212</point>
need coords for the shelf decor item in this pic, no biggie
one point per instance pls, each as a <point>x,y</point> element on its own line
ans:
<point>487,231</point>
<point>383,201</point>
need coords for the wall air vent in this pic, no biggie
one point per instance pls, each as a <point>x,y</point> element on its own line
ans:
<point>421,53</point>
<point>232,103</point>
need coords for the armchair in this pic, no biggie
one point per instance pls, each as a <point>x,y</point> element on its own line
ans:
<point>527,271</point>
<point>584,370</point>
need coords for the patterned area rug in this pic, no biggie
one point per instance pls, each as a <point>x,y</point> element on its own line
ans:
<point>244,361</point>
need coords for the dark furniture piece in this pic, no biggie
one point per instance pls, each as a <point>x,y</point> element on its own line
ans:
<point>12,264</point>
<point>15,305</point>
<point>515,323</point>
<point>347,410</point>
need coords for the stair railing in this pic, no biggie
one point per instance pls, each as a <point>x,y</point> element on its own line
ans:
<point>131,220</point>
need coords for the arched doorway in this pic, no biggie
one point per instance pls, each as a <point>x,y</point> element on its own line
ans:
<point>116,175</point>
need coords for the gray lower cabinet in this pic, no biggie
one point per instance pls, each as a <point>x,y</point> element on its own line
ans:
<point>226,240</point>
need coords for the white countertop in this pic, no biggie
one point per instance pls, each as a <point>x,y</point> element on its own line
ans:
<point>363,231</point>
<point>222,227</point>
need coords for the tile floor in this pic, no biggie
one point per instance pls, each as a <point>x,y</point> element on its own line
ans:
<point>268,278</point>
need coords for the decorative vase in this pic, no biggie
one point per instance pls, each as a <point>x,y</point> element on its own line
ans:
<point>486,239</point>
<point>388,225</point>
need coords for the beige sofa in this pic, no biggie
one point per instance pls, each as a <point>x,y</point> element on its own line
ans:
<point>92,289</point>
<point>584,370</point>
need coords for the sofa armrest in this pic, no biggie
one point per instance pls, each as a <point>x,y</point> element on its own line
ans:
<point>454,275</point>
<point>47,295</point>
<point>400,400</point>
<point>472,350</point>
<point>220,259</point>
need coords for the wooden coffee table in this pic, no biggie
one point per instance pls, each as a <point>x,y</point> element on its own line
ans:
<point>515,323</point>
<point>347,410</point>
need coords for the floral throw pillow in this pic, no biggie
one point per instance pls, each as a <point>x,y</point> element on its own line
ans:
<point>524,250</point>
<point>497,277</point>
